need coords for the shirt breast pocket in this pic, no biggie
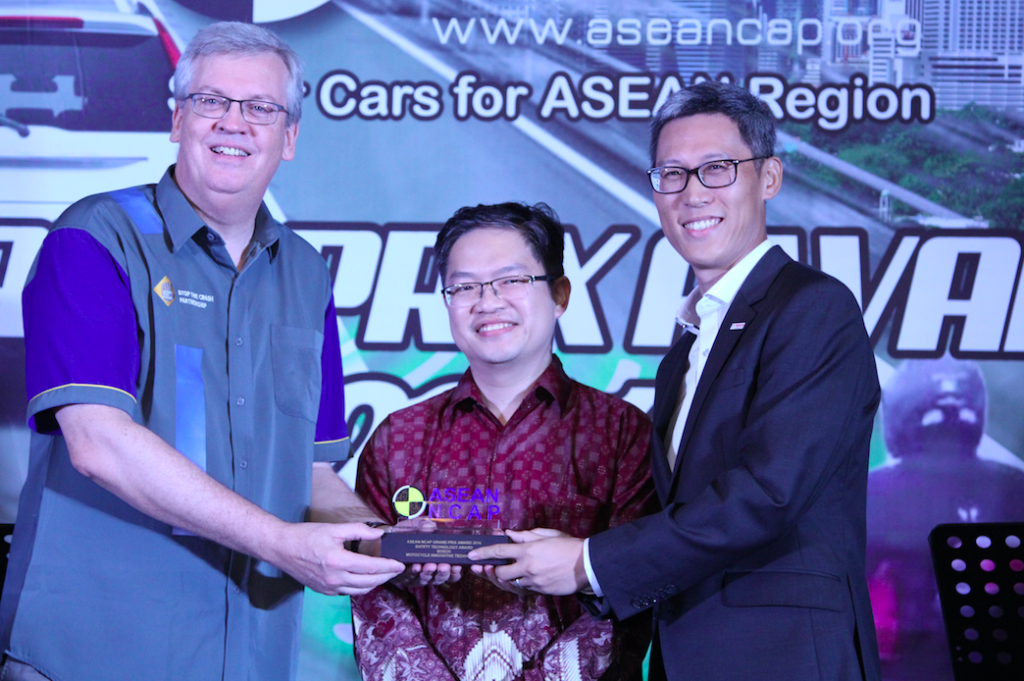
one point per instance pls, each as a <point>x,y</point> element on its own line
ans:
<point>295,354</point>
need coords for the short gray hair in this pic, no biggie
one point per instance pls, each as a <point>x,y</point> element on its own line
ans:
<point>239,39</point>
<point>751,115</point>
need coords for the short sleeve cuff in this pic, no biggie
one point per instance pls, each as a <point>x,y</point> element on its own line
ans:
<point>81,333</point>
<point>41,407</point>
<point>331,451</point>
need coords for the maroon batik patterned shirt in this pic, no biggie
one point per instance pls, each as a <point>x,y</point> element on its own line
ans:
<point>571,458</point>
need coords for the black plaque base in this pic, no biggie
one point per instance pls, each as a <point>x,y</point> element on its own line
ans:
<point>418,547</point>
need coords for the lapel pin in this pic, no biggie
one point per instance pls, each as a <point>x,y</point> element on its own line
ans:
<point>737,326</point>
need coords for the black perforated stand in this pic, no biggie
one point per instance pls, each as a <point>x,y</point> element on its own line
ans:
<point>980,573</point>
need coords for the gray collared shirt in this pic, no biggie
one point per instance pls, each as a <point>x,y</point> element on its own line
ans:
<point>239,371</point>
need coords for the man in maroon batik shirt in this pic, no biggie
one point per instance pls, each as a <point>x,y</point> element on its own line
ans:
<point>516,445</point>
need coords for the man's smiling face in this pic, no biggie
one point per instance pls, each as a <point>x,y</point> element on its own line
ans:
<point>713,228</point>
<point>497,334</point>
<point>222,159</point>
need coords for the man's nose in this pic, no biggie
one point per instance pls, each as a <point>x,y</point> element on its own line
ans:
<point>695,193</point>
<point>489,298</point>
<point>233,120</point>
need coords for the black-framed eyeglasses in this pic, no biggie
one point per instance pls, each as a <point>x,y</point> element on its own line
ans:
<point>713,175</point>
<point>254,111</point>
<point>515,287</point>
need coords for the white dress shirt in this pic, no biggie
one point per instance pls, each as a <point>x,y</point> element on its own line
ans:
<point>701,315</point>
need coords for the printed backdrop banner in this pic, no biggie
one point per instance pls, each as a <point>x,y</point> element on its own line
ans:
<point>901,130</point>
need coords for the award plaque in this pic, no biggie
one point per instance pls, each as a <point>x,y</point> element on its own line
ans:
<point>442,525</point>
<point>438,547</point>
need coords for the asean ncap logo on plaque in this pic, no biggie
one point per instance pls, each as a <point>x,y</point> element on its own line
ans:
<point>409,502</point>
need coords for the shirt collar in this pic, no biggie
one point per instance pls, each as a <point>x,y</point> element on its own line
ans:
<point>182,222</point>
<point>687,316</point>
<point>553,383</point>
<point>723,291</point>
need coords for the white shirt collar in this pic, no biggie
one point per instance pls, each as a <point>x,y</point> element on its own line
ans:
<point>724,290</point>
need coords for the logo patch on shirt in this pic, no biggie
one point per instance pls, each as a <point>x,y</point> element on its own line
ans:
<point>737,326</point>
<point>200,300</point>
<point>165,290</point>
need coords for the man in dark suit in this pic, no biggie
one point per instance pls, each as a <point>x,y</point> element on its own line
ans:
<point>763,413</point>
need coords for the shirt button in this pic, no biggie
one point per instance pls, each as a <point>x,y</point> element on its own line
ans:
<point>210,236</point>
<point>240,401</point>
<point>243,464</point>
<point>237,589</point>
<point>238,342</point>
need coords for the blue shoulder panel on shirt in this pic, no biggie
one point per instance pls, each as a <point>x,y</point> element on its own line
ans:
<point>139,209</point>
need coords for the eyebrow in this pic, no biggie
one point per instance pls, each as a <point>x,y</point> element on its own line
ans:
<point>712,156</point>
<point>503,272</point>
<point>218,91</point>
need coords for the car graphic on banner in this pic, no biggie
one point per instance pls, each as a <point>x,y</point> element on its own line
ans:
<point>258,11</point>
<point>85,101</point>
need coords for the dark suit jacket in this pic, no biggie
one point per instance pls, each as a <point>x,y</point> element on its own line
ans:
<point>755,566</point>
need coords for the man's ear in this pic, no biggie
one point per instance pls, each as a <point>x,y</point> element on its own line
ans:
<point>176,123</point>
<point>291,133</point>
<point>771,177</point>
<point>560,290</point>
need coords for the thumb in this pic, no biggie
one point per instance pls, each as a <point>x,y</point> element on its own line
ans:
<point>350,531</point>
<point>527,536</point>
<point>547,532</point>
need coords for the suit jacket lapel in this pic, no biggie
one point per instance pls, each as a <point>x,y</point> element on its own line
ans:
<point>742,311</point>
<point>671,373</point>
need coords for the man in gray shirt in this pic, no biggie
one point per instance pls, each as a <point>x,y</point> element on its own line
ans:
<point>186,398</point>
